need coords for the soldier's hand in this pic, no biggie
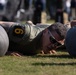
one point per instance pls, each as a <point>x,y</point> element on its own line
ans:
<point>49,52</point>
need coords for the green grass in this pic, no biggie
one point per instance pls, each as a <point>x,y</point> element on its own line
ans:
<point>56,64</point>
<point>50,21</point>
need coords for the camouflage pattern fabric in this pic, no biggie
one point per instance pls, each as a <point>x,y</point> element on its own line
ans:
<point>27,39</point>
<point>24,38</point>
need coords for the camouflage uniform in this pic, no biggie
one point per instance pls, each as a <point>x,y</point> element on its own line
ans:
<point>28,41</point>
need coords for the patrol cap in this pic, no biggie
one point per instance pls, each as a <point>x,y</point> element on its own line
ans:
<point>60,28</point>
<point>70,41</point>
<point>4,41</point>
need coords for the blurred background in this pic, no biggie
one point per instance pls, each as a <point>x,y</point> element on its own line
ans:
<point>38,11</point>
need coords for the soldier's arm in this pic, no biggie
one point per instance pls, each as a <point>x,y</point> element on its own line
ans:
<point>9,23</point>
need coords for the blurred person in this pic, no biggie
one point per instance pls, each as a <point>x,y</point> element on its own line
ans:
<point>12,7</point>
<point>44,5</point>
<point>40,6</point>
<point>28,7</point>
<point>43,13</point>
<point>67,8</point>
<point>2,7</point>
<point>24,14</point>
<point>2,4</point>
<point>51,7</point>
<point>73,9</point>
<point>70,40</point>
<point>59,11</point>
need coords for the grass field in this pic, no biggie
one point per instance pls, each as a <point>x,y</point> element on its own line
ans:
<point>56,64</point>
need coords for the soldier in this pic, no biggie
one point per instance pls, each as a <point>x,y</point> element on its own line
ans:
<point>29,39</point>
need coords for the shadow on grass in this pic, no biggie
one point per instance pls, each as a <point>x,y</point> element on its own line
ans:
<point>53,56</point>
<point>67,57</point>
<point>56,64</point>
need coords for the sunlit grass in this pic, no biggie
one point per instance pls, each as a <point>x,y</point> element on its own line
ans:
<point>60,64</point>
<point>50,21</point>
<point>56,64</point>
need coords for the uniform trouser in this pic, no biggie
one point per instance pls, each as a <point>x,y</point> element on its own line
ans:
<point>37,17</point>
<point>25,44</point>
<point>73,13</point>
